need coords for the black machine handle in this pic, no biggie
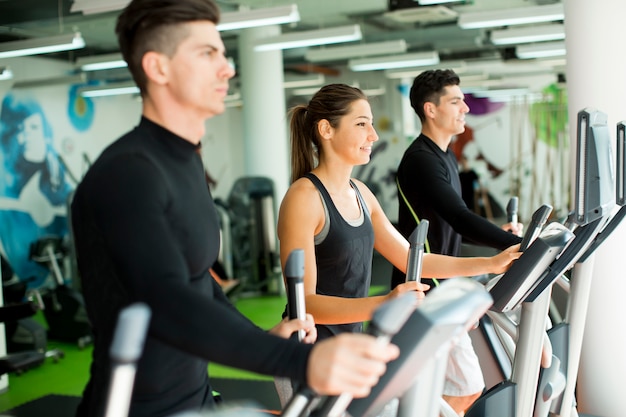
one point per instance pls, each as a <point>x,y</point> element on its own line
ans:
<point>296,309</point>
<point>538,220</point>
<point>387,320</point>
<point>511,209</point>
<point>416,251</point>
<point>294,275</point>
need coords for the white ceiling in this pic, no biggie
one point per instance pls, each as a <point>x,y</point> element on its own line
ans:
<point>423,28</point>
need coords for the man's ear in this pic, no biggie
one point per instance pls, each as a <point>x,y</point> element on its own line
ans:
<point>429,109</point>
<point>156,67</point>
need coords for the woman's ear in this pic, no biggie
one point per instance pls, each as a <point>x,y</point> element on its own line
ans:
<point>324,129</point>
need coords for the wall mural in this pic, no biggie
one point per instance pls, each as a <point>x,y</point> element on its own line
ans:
<point>34,187</point>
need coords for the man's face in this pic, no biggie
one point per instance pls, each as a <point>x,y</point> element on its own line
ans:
<point>450,112</point>
<point>199,71</point>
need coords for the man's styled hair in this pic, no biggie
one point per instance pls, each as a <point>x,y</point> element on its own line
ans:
<point>429,86</point>
<point>157,25</point>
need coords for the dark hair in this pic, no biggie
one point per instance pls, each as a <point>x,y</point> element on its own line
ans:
<point>156,25</point>
<point>429,86</point>
<point>331,103</point>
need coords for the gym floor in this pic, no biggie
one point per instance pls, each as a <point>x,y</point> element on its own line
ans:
<point>54,389</point>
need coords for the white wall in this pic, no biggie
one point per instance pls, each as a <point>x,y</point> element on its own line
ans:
<point>223,147</point>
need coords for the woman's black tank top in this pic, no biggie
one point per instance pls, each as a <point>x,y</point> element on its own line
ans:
<point>344,258</point>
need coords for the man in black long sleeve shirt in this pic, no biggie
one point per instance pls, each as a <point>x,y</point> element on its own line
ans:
<point>428,177</point>
<point>429,188</point>
<point>146,229</point>
<point>428,181</point>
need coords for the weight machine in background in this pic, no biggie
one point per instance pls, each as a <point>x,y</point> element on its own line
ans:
<point>250,244</point>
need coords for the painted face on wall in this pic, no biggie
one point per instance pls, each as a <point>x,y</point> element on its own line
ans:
<point>32,138</point>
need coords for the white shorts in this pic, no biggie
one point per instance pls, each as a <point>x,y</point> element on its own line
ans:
<point>463,374</point>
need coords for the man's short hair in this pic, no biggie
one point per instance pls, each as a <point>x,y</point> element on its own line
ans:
<point>157,25</point>
<point>429,86</point>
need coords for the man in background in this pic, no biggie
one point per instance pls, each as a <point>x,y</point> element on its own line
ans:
<point>429,188</point>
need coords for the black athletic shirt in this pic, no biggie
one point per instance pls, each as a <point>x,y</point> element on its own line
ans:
<point>146,229</point>
<point>344,258</point>
<point>430,181</point>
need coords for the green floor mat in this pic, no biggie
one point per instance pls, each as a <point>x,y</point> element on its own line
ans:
<point>69,376</point>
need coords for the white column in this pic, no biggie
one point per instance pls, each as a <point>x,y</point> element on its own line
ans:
<point>264,111</point>
<point>595,78</point>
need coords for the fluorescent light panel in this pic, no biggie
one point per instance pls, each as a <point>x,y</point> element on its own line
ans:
<point>353,51</point>
<point>400,73</point>
<point>97,6</point>
<point>232,97</point>
<point>50,81</point>
<point>310,38</point>
<point>309,91</point>
<point>39,46</point>
<point>526,98</point>
<point>499,92</point>
<point>418,59</point>
<point>259,17</point>
<point>304,81</point>
<point>540,50</point>
<point>101,62</point>
<point>431,2</point>
<point>109,90</point>
<point>5,73</point>
<point>233,100</point>
<point>372,92</point>
<point>517,35</point>
<point>509,17</point>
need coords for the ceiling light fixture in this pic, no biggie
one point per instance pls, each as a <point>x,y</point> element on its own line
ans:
<point>513,16</point>
<point>304,81</point>
<point>233,100</point>
<point>50,81</point>
<point>259,17</point>
<point>431,2</point>
<point>5,73</point>
<point>101,62</point>
<point>517,35</point>
<point>232,97</point>
<point>39,46</point>
<point>418,59</point>
<point>113,89</point>
<point>500,91</point>
<point>400,73</point>
<point>373,92</point>
<point>308,91</point>
<point>353,51</point>
<point>310,38</point>
<point>97,6</point>
<point>370,92</point>
<point>540,50</point>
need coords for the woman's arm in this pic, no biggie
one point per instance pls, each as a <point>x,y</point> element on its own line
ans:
<point>394,247</point>
<point>301,217</point>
